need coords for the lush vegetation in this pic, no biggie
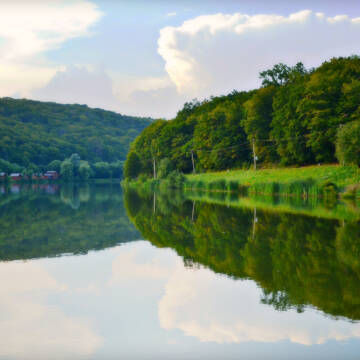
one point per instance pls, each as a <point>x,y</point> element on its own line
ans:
<point>298,117</point>
<point>33,134</point>
<point>297,260</point>
<point>305,181</point>
<point>45,220</point>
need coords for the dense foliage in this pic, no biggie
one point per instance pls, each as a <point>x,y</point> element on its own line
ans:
<point>33,132</point>
<point>348,143</point>
<point>293,119</point>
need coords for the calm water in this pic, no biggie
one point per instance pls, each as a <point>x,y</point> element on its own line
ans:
<point>88,272</point>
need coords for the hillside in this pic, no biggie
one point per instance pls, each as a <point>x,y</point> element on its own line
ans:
<point>297,117</point>
<point>40,132</point>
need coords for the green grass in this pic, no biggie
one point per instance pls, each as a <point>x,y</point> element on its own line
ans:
<point>325,180</point>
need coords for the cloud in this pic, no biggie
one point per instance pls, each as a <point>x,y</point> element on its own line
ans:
<point>171,14</point>
<point>144,96</point>
<point>217,309</point>
<point>79,84</point>
<point>30,329</point>
<point>214,54</point>
<point>28,30</point>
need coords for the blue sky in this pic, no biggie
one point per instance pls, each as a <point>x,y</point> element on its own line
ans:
<point>149,57</point>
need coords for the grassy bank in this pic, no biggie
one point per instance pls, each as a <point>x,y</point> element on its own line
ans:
<point>304,181</point>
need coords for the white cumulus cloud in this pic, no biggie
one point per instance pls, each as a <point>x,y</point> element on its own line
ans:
<point>214,54</point>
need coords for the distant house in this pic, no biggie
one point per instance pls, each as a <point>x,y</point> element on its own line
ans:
<point>2,175</point>
<point>51,175</point>
<point>15,176</point>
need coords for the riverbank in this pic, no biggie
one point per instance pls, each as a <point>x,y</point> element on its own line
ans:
<point>303,181</point>
<point>309,181</point>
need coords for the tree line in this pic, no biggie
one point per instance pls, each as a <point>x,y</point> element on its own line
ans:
<point>297,117</point>
<point>72,168</point>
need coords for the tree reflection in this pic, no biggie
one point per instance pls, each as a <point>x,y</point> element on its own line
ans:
<point>297,260</point>
<point>50,220</point>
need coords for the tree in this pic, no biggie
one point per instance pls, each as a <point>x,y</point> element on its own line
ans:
<point>75,160</point>
<point>288,128</point>
<point>5,166</point>
<point>165,168</point>
<point>54,165</point>
<point>67,170</point>
<point>348,143</point>
<point>102,170</point>
<point>116,169</point>
<point>330,98</point>
<point>84,170</point>
<point>220,138</point>
<point>132,166</point>
<point>276,76</point>
<point>257,123</point>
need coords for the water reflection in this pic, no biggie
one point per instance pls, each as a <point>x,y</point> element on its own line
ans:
<point>43,220</point>
<point>218,300</point>
<point>298,261</point>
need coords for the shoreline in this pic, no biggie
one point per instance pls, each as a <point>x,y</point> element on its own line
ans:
<point>305,182</point>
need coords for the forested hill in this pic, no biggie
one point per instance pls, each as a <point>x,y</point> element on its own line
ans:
<point>298,116</point>
<point>40,132</point>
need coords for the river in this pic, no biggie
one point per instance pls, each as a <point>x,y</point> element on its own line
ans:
<point>90,272</point>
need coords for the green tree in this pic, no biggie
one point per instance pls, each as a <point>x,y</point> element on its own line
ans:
<point>102,170</point>
<point>330,99</point>
<point>165,167</point>
<point>348,143</point>
<point>132,167</point>
<point>75,160</point>
<point>54,165</point>
<point>276,76</point>
<point>67,170</point>
<point>257,123</point>
<point>288,127</point>
<point>84,170</point>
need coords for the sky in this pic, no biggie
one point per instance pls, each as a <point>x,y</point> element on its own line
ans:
<point>147,58</point>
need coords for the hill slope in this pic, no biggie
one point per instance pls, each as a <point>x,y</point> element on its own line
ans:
<point>39,132</point>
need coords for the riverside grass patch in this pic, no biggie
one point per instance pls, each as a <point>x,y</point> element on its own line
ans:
<point>310,181</point>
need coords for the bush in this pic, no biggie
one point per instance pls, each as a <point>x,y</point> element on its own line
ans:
<point>348,143</point>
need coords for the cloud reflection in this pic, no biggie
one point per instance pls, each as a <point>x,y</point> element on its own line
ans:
<point>214,308</point>
<point>30,329</point>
